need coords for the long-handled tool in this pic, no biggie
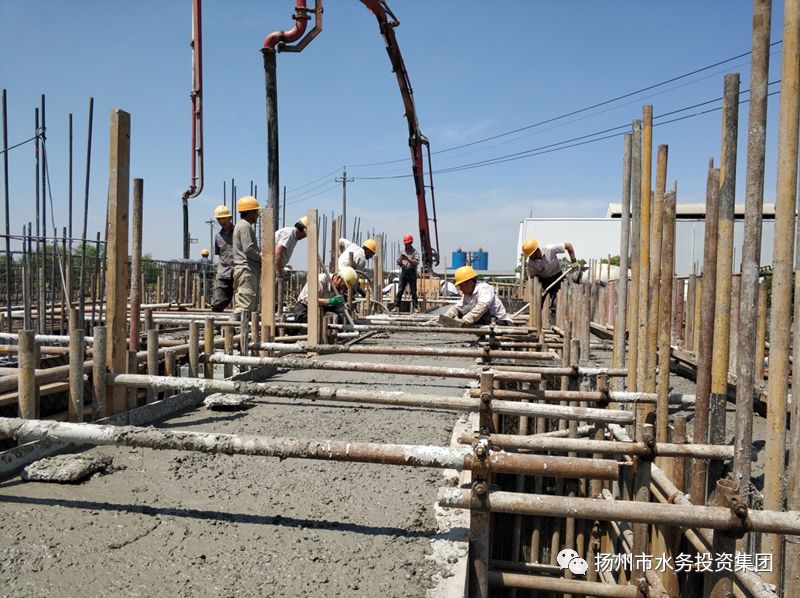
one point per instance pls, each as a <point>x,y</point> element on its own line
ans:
<point>560,278</point>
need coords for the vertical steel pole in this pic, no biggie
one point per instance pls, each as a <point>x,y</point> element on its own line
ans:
<point>208,346</point>
<point>620,325</point>
<point>69,220</point>
<point>152,359</point>
<point>665,317</point>
<point>194,347</point>
<point>644,243</point>
<point>782,260</point>
<point>136,262</point>
<point>633,305</point>
<point>99,409</point>
<point>8,222</point>
<point>26,391</point>
<point>77,350</point>
<point>313,271</point>
<point>81,283</point>
<point>705,335</point>
<point>656,295</point>
<point>722,311</point>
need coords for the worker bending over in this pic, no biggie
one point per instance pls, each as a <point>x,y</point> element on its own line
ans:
<point>285,240</point>
<point>408,261</point>
<point>246,258</point>
<point>223,247</point>
<point>360,254</point>
<point>331,294</point>
<point>543,263</point>
<point>479,302</point>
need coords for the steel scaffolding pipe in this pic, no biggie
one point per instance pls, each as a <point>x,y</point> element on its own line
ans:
<point>400,350</point>
<point>585,445</point>
<point>506,579</point>
<point>363,366</point>
<point>265,389</point>
<point>587,395</point>
<point>771,522</point>
<point>460,458</point>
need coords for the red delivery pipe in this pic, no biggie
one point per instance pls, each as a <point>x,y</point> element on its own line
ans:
<point>295,33</point>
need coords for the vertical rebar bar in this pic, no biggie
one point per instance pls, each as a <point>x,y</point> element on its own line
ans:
<point>782,261</point>
<point>705,335</point>
<point>208,346</point>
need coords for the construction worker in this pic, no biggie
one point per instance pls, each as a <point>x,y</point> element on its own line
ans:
<point>408,261</point>
<point>479,302</point>
<point>332,290</point>
<point>246,258</point>
<point>543,263</point>
<point>285,240</point>
<point>360,254</point>
<point>223,247</point>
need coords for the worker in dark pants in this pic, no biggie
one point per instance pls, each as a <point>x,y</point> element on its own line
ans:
<point>543,262</point>
<point>223,247</point>
<point>331,294</point>
<point>408,262</point>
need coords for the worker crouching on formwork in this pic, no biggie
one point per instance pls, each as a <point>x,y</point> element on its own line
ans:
<point>358,261</point>
<point>332,290</point>
<point>479,302</point>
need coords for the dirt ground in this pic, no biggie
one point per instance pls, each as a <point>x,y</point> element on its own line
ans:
<point>174,523</point>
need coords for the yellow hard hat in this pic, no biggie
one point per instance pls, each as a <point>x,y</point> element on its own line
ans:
<point>529,246</point>
<point>247,204</point>
<point>370,244</point>
<point>348,275</point>
<point>204,252</point>
<point>222,212</point>
<point>303,221</point>
<point>464,273</point>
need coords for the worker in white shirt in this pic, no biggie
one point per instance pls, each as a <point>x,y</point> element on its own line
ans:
<point>544,263</point>
<point>479,302</point>
<point>332,290</point>
<point>285,240</point>
<point>360,254</point>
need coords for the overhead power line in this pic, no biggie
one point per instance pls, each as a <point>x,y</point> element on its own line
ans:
<point>577,111</point>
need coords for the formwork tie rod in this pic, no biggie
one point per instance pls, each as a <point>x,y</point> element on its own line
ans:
<point>458,458</point>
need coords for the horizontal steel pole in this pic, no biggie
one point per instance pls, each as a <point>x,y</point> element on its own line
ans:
<point>587,395</point>
<point>458,458</point>
<point>393,350</point>
<point>581,445</point>
<point>603,510</point>
<point>561,585</point>
<point>56,339</point>
<point>395,398</point>
<point>363,366</point>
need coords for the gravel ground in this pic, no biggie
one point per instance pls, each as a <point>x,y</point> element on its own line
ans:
<point>174,523</point>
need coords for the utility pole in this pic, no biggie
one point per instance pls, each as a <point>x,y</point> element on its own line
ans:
<point>211,252</point>
<point>344,180</point>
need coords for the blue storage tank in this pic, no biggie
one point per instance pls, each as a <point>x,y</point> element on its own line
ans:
<point>459,259</point>
<point>480,259</point>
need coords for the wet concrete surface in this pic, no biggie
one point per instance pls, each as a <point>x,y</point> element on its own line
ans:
<point>191,524</point>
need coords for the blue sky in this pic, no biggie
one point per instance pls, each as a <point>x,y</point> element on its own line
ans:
<point>478,69</point>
